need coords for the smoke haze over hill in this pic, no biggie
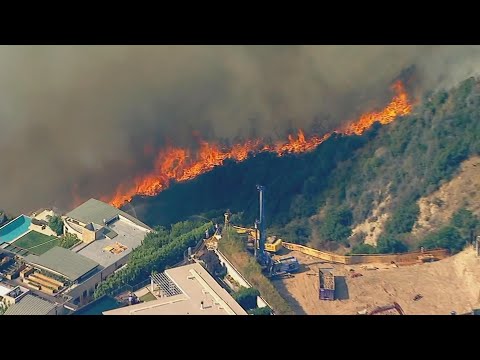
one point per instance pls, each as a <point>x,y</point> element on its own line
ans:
<point>82,115</point>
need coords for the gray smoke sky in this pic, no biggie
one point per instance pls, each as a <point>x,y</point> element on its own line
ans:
<point>82,114</point>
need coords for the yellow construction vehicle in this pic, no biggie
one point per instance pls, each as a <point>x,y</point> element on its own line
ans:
<point>273,244</point>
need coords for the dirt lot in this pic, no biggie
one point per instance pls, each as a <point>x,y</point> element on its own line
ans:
<point>448,285</point>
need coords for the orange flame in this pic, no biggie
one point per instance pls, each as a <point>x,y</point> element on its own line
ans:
<point>180,164</point>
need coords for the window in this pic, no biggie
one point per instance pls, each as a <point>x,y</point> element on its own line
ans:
<point>85,294</point>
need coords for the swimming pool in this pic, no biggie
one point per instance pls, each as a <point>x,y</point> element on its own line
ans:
<point>15,229</point>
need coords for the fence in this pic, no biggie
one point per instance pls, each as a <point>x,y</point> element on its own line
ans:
<point>130,288</point>
<point>365,258</point>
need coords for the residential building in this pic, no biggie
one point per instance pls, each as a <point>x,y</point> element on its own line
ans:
<point>108,236</point>
<point>184,290</point>
<point>32,305</point>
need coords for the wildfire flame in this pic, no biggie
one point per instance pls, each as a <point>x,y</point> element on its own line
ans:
<point>181,164</point>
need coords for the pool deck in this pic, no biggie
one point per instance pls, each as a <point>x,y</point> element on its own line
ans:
<point>19,236</point>
<point>41,216</point>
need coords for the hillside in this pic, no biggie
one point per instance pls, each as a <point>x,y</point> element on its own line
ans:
<point>463,191</point>
<point>319,197</point>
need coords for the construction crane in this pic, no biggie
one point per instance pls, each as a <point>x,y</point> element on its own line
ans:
<point>277,267</point>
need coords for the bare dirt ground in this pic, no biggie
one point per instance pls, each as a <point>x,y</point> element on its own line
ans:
<point>373,226</point>
<point>448,285</point>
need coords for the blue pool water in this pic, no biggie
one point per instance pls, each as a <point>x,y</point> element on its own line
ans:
<point>14,228</point>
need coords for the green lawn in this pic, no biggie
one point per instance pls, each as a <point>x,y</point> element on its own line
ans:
<point>37,243</point>
<point>148,297</point>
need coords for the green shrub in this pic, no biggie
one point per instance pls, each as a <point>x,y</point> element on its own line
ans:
<point>56,224</point>
<point>447,237</point>
<point>364,249</point>
<point>158,250</point>
<point>247,297</point>
<point>336,225</point>
<point>388,244</point>
<point>261,311</point>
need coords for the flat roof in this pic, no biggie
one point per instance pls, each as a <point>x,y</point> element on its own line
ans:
<point>128,234</point>
<point>196,285</point>
<point>4,290</point>
<point>95,211</point>
<point>30,305</point>
<point>64,262</point>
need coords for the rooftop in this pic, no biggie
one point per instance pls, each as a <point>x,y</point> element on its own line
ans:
<point>95,211</point>
<point>128,234</point>
<point>64,262</point>
<point>30,305</point>
<point>196,285</point>
<point>4,290</point>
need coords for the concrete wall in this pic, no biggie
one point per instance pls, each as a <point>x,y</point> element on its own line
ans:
<point>238,277</point>
<point>88,236</point>
<point>89,284</point>
<point>71,230</point>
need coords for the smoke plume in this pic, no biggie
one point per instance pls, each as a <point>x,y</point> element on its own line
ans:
<point>88,117</point>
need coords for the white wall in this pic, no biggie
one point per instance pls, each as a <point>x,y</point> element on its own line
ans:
<point>238,277</point>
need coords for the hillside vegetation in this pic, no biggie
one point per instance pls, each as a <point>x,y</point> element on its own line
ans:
<point>160,249</point>
<point>319,197</point>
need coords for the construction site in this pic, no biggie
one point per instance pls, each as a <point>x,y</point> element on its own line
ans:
<point>435,288</point>
<point>424,282</point>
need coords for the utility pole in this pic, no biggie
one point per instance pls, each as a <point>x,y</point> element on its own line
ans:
<point>477,246</point>
<point>227,223</point>
<point>255,240</point>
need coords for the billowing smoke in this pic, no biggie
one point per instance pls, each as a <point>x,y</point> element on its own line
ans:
<point>84,116</point>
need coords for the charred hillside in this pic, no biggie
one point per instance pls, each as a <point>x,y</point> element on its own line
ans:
<point>319,197</point>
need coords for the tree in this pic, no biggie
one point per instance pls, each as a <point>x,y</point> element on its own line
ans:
<point>466,222</point>
<point>403,219</point>
<point>56,224</point>
<point>3,308</point>
<point>158,250</point>
<point>68,240</point>
<point>364,249</point>
<point>247,297</point>
<point>447,237</point>
<point>336,225</point>
<point>296,231</point>
<point>261,311</point>
<point>387,244</point>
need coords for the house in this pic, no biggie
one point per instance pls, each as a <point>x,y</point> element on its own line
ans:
<point>91,221</point>
<point>108,236</point>
<point>32,305</point>
<point>184,290</point>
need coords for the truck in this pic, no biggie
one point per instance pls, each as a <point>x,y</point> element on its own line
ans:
<point>327,284</point>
